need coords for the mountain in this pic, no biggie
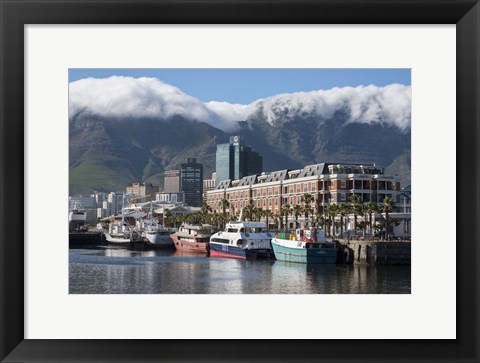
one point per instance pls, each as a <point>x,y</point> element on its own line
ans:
<point>156,127</point>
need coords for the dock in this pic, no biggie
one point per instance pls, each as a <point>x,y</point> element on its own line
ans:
<point>379,252</point>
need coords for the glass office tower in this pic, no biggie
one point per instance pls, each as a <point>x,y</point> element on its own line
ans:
<point>236,160</point>
<point>191,182</point>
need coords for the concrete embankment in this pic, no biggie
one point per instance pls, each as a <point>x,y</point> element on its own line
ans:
<point>379,252</point>
<point>86,239</point>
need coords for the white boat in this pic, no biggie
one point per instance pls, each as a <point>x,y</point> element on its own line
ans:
<point>243,240</point>
<point>156,233</point>
<point>121,234</point>
<point>76,219</point>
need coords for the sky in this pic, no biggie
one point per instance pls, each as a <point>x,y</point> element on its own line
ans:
<point>247,85</point>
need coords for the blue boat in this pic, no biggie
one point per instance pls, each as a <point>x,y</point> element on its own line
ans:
<point>304,246</point>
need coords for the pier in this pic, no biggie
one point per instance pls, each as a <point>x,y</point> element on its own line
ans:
<point>379,252</point>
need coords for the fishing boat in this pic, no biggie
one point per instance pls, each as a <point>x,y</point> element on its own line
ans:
<point>243,240</point>
<point>122,235</point>
<point>157,234</point>
<point>193,238</point>
<point>306,245</point>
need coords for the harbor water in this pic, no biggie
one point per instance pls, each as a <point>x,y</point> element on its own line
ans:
<point>119,271</point>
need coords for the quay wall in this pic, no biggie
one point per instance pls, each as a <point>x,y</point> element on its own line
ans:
<point>381,252</point>
<point>84,239</point>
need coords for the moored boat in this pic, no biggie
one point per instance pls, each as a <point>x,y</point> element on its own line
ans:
<point>304,246</point>
<point>243,240</point>
<point>121,235</point>
<point>193,238</point>
<point>76,219</point>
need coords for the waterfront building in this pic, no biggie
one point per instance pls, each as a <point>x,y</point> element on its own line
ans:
<point>191,182</point>
<point>146,190</point>
<point>236,160</point>
<point>170,197</point>
<point>208,184</point>
<point>327,184</point>
<point>171,181</point>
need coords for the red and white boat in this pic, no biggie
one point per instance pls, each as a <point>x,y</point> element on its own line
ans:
<point>193,238</point>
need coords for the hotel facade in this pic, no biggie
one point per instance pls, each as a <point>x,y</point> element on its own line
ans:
<point>327,183</point>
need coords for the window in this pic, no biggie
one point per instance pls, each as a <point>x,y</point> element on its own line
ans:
<point>343,197</point>
<point>343,184</point>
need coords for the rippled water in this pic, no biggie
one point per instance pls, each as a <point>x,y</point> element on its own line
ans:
<point>116,271</point>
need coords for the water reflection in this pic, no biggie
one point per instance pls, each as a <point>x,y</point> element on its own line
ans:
<point>116,271</point>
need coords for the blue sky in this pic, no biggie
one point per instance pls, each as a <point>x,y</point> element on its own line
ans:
<point>247,85</point>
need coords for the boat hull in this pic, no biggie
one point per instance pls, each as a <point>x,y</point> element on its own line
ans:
<point>158,240</point>
<point>229,251</point>
<point>189,246</point>
<point>303,255</point>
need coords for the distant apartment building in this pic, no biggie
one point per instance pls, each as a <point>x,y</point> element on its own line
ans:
<point>208,184</point>
<point>171,181</point>
<point>191,182</point>
<point>327,183</point>
<point>235,160</point>
<point>147,190</point>
<point>170,197</point>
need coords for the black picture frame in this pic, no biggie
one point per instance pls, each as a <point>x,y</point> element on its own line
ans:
<point>15,14</point>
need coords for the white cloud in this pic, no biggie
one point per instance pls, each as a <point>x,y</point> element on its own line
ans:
<point>150,97</point>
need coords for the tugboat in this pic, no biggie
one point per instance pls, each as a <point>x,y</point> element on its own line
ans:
<point>243,240</point>
<point>193,238</point>
<point>306,245</point>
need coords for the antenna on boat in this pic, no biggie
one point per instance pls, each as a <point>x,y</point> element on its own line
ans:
<point>240,216</point>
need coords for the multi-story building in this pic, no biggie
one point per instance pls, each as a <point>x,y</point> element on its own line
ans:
<point>208,184</point>
<point>326,183</point>
<point>170,197</point>
<point>171,181</point>
<point>235,160</point>
<point>147,190</point>
<point>191,182</point>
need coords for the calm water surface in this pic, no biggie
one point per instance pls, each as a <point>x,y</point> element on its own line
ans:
<point>116,271</point>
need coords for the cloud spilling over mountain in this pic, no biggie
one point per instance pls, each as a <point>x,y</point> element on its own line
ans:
<point>120,97</point>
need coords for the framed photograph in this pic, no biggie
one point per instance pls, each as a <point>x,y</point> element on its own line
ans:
<point>401,75</point>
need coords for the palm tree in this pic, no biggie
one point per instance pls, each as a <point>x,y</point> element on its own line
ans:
<point>248,212</point>
<point>166,216</point>
<point>306,199</point>
<point>276,219</point>
<point>267,214</point>
<point>343,210</point>
<point>370,208</point>
<point>286,212</point>
<point>224,203</point>
<point>387,208</point>
<point>331,212</point>
<point>297,210</point>
<point>356,208</point>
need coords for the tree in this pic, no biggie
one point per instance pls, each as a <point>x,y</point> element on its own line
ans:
<point>297,210</point>
<point>356,208</point>
<point>331,212</point>
<point>224,203</point>
<point>267,214</point>
<point>370,208</point>
<point>248,212</point>
<point>307,200</point>
<point>388,206</point>
<point>286,212</point>
<point>276,219</point>
<point>343,211</point>
<point>166,216</point>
